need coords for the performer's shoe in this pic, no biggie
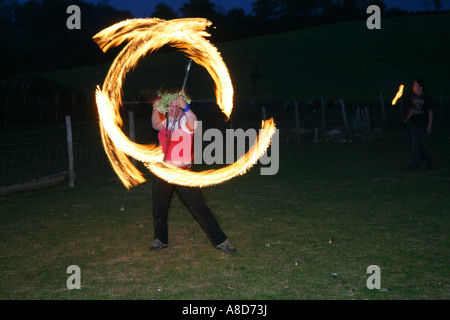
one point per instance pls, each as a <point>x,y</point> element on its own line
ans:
<point>157,245</point>
<point>226,247</point>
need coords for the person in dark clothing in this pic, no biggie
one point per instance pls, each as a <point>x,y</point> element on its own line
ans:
<point>174,119</point>
<point>420,116</point>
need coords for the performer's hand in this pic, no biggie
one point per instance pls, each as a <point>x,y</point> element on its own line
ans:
<point>181,103</point>
<point>173,110</point>
<point>429,130</point>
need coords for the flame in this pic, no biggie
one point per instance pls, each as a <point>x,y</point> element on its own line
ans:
<point>148,35</point>
<point>212,177</point>
<point>398,95</point>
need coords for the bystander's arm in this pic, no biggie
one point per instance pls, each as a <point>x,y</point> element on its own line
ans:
<point>408,115</point>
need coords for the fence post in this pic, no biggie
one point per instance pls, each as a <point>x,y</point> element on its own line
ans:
<point>383,110</point>
<point>368,123</point>
<point>322,102</point>
<point>70,152</point>
<point>73,104</point>
<point>24,108</point>
<point>358,120</point>
<point>297,121</point>
<point>56,105</point>
<point>344,114</point>
<point>132,130</point>
<point>6,111</point>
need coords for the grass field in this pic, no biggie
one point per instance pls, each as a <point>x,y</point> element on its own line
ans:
<point>309,232</point>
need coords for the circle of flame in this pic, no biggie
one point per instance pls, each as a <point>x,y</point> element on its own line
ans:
<point>148,35</point>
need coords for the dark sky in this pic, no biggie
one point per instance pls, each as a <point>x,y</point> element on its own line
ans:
<point>144,8</point>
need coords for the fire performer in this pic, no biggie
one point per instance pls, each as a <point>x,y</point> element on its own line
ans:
<point>174,119</point>
<point>420,115</point>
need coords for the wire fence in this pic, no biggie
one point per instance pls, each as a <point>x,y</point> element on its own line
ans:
<point>27,154</point>
<point>37,154</point>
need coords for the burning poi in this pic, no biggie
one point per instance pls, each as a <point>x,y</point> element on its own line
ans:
<point>145,36</point>
<point>398,95</point>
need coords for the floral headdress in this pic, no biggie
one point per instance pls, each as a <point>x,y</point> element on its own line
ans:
<point>166,98</point>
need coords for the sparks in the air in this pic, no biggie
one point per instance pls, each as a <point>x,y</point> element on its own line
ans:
<point>145,36</point>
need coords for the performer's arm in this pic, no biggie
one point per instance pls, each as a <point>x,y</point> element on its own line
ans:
<point>190,115</point>
<point>157,120</point>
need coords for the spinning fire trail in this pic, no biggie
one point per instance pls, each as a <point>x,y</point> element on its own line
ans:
<point>145,36</point>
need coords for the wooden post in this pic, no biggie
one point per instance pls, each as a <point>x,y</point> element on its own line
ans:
<point>358,119</point>
<point>73,105</point>
<point>368,120</point>
<point>132,130</point>
<point>316,138</point>
<point>264,113</point>
<point>6,111</point>
<point>38,102</point>
<point>344,114</point>
<point>24,108</point>
<point>297,121</point>
<point>132,126</point>
<point>86,110</point>
<point>70,152</point>
<point>56,105</point>
<point>442,106</point>
<point>322,102</point>
<point>383,110</point>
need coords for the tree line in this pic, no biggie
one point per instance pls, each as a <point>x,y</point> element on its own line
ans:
<point>34,36</point>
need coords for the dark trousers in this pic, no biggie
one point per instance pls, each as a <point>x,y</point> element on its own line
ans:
<point>420,146</point>
<point>193,199</point>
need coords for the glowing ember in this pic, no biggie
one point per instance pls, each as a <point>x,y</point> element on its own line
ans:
<point>148,35</point>
<point>398,95</point>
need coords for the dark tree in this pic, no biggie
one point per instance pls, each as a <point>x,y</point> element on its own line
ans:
<point>164,11</point>
<point>8,12</point>
<point>199,9</point>
<point>437,4</point>
<point>349,9</point>
<point>43,41</point>
<point>265,9</point>
<point>237,23</point>
<point>265,13</point>
<point>298,13</point>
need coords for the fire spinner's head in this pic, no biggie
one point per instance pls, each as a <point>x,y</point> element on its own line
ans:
<point>167,101</point>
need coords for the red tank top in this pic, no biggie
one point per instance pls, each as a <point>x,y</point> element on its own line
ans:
<point>178,149</point>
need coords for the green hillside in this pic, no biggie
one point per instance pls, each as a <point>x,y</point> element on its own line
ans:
<point>338,59</point>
